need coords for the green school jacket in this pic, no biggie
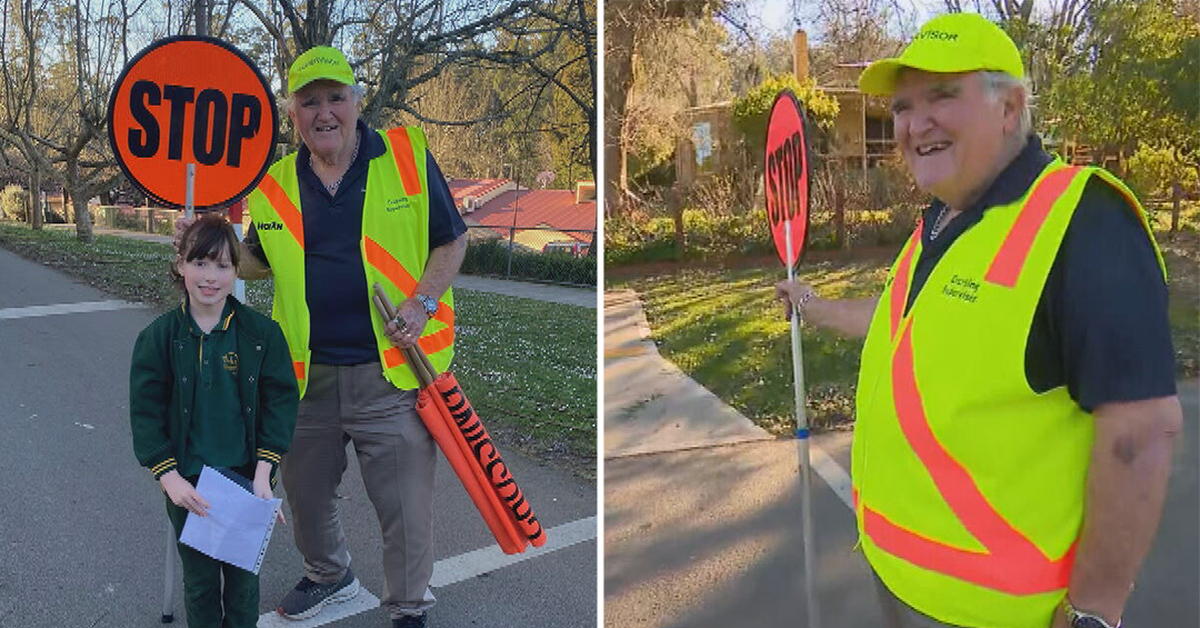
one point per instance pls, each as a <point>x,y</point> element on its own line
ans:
<point>162,381</point>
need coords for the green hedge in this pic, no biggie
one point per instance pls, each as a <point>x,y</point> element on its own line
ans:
<point>490,257</point>
<point>639,239</point>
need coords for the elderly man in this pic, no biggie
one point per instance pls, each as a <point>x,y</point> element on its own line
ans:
<point>1016,400</point>
<point>351,208</point>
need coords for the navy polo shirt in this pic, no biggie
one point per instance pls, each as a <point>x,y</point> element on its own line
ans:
<point>1101,326</point>
<point>335,284</point>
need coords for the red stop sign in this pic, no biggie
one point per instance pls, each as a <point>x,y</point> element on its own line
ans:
<point>192,100</point>
<point>786,166</point>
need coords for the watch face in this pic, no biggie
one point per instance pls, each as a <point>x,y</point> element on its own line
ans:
<point>1087,622</point>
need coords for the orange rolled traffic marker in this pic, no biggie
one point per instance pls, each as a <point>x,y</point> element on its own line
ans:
<point>472,436</point>
<point>458,432</point>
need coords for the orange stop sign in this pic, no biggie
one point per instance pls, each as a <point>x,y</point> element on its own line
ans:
<point>192,100</point>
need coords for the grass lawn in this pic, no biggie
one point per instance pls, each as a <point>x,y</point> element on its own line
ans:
<point>723,328</point>
<point>528,366</point>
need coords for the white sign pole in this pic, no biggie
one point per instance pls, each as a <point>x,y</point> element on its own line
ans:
<point>810,572</point>
<point>239,285</point>
<point>189,207</point>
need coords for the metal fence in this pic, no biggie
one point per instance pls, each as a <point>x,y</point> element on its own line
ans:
<point>562,256</point>
<point>146,219</point>
<point>545,254</point>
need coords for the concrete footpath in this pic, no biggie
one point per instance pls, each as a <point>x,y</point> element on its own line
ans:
<point>702,522</point>
<point>567,295</point>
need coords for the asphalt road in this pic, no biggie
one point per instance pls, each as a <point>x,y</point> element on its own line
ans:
<point>82,526</point>
<point>712,537</point>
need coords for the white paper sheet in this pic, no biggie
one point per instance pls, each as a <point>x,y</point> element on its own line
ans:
<point>238,526</point>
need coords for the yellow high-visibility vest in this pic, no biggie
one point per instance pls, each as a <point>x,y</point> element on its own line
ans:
<point>968,485</point>
<point>394,247</point>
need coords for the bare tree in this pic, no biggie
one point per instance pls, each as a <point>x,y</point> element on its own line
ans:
<point>399,47</point>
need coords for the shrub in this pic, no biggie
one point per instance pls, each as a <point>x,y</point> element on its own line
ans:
<point>750,112</point>
<point>1153,170</point>
<point>490,257</point>
<point>14,203</point>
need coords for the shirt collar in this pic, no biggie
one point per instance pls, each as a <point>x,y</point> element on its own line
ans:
<point>223,325</point>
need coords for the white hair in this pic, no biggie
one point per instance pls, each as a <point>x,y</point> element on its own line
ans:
<point>997,83</point>
<point>357,91</point>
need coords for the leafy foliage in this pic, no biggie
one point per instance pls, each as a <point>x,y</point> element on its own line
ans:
<point>491,257</point>
<point>1153,170</point>
<point>750,112</point>
<point>14,202</point>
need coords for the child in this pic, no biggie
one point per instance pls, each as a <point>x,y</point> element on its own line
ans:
<point>211,383</point>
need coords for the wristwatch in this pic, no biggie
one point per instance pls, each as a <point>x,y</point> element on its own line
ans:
<point>1079,619</point>
<point>430,304</point>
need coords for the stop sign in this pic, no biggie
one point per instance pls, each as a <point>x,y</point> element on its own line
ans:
<point>192,100</point>
<point>786,168</point>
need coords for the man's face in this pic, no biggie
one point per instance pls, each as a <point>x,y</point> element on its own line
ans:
<point>951,133</point>
<point>326,114</point>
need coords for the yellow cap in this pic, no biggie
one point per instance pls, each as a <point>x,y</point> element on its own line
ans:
<point>955,42</point>
<point>321,62</point>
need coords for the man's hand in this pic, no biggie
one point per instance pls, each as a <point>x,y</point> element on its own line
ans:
<point>182,222</point>
<point>183,494</point>
<point>794,295</point>
<point>413,318</point>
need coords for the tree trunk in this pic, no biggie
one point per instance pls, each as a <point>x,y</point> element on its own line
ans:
<point>203,17</point>
<point>1176,198</point>
<point>675,206</point>
<point>618,65</point>
<point>839,205</point>
<point>79,200</point>
<point>37,211</point>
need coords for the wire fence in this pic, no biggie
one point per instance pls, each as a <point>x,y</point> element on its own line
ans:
<point>145,219</point>
<point>545,254</point>
<point>562,256</point>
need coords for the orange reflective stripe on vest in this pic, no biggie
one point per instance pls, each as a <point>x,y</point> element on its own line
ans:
<point>283,206</point>
<point>387,264</point>
<point>299,368</point>
<point>1013,564</point>
<point>404,160</point>
<point>391,268</point>
<point>900,280</point>
<point>1007,265</point>
<point>429,344</point>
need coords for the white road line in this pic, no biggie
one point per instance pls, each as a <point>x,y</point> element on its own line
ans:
<point>360,603</point>
<point>466,566</point>
<point>64,308</point>
<point>833,474</point>
<point>446,572</point>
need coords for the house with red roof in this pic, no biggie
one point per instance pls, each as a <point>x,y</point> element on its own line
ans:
<point>471,193</point>
<point>539,220</point>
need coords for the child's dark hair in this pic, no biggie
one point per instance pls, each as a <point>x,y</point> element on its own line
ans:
<point>206,238</point>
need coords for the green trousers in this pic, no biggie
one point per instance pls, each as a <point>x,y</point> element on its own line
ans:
<point>203,597</point>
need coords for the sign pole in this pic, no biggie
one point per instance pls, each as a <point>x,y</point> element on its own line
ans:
<point>786,181</point>
<point>235,217</point>
<point>810,572</point>
<point>189,207</point>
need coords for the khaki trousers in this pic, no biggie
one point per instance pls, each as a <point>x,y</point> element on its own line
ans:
<point>355,404</point>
